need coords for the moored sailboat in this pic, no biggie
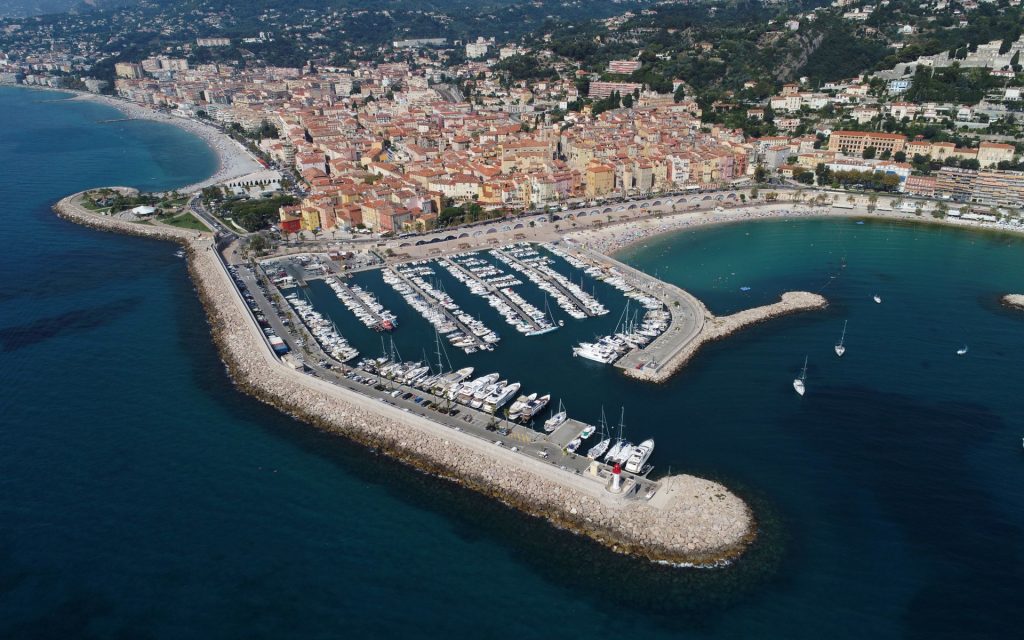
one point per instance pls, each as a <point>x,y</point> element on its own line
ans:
<point>601,447</point>
<point>622,448</point>
<point>556,420</point>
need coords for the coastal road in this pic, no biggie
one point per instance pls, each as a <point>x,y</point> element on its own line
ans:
<point>197,208</point>
<point>538,224</point>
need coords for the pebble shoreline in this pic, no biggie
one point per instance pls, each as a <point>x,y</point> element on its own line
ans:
<point>690,521</point>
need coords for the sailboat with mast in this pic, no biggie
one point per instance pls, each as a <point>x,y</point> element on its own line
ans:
<point>840,347</point>
<point>551,320</point>
<point>601,447</point>
<point>556,420</point>
<point>622,448</point>
<point>798,383</point>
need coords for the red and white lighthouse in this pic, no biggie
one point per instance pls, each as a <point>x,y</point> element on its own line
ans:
<point>617,478</point>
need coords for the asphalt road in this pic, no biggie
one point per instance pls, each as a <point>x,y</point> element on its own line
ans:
<point>197,208</point>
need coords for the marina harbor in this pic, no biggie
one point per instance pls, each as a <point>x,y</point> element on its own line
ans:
<point>702,317</point>
<point>406,356</point>
<point>488,406</point>
<point>656,323</point>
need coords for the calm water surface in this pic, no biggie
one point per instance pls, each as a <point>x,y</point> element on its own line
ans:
<point>142,496</point>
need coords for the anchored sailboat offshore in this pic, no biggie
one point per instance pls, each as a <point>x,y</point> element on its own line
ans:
<point>840,347</point>
<point>798,383</point>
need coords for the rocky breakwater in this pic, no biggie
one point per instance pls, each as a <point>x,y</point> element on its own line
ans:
<point>688,520</point>
<point>718,327</point>
<point>1014,300</point>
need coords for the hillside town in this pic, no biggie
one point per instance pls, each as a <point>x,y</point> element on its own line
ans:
<point>433,132</point>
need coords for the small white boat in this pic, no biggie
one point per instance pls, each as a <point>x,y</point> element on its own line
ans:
<point>877,298</point>
<point>613,453</point>
<point>638,458</point>
<point>962,351</point>
<point>601,447</point>
<point>598,450</point>
<point>840,347</point>
<point>798,383</point>
<point>556,420</point>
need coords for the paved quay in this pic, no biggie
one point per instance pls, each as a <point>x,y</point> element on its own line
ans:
<point>687,520</point>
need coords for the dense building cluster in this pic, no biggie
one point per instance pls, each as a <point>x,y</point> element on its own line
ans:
<point>388,147</point>
<point>421,131</point>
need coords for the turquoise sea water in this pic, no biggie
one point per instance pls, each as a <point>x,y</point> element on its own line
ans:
<point>142,496</point>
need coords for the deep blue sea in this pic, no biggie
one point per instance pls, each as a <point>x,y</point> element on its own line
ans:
<point>141,496</point>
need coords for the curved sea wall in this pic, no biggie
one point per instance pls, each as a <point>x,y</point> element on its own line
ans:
<point>718,327</point>
<point>689,520</point>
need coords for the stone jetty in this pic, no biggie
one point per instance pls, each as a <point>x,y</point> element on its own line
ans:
<point>688,520</point>
<point>718,327</point>
<point>692,325</point>
<point>1015,300</point>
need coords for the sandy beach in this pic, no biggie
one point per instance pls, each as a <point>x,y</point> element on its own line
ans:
<point>618,237</point>
<point>234,160</point>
